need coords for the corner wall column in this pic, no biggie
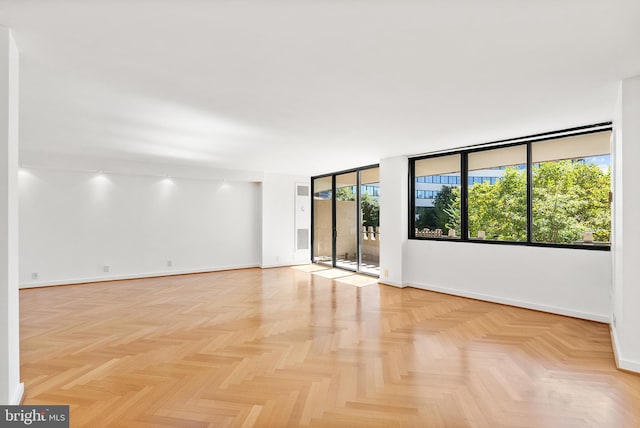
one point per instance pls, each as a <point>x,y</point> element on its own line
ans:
<point>394,223</point>
<point>10,387</point>
<point>625,323</point>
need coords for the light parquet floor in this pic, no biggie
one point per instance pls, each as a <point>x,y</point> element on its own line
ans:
<point>289,347</point>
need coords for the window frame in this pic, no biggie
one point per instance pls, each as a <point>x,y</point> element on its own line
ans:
<point>464,152</point>
<point>358,186</point>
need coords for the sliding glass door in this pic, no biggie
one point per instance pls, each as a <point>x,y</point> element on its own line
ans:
<point>323,220</point>
<point>346,220</point>
<point>370,220</point>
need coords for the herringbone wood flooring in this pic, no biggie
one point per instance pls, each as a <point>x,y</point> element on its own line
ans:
<point>286,347</point>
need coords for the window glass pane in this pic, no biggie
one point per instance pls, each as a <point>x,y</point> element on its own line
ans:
<point>346,221</point>
<point>497,200</point>
<point>322,221</point>
<point>437,197</point>
<point>370,221</point>
<point>571,184</point>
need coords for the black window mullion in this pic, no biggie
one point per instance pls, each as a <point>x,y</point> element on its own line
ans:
<point>313,229</point>
<point>529,195</point>
<point>412,198</point>
<point>358,221</point>
<point>464,206</point>
<point>334,229</point>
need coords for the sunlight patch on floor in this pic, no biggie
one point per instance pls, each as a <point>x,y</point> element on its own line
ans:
<point>332,273</point>
<point>310,268</point>
<point>340,275</point>
<point>358,280</point>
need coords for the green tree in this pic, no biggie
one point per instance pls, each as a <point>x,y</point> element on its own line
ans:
<point>370,210</point>
<point>370,206</point>
<point>500,209</point>
<point>437,216</point>
<point>453,212</point>
<point>441,204</point>
<point>345,194</point>
<point>569,198</point>
<point>425,218</point>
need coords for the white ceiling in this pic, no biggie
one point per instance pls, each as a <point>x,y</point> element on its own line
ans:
<point>307,87</point>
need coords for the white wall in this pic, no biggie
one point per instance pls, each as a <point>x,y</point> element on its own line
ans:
<point>393,218</point>
<point>626,226</point>
<point>72,224</point>
<point>278,220</point>
<point>565,281</point>
<point>84,163</point>
<point>10,387</point>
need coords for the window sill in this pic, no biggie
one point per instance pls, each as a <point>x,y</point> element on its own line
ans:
<point>594,246</point>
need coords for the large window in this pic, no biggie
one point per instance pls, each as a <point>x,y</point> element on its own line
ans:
<point>571,185</point>
<point>436,193</point>
<point>546,190</point>
<point>497,209</point>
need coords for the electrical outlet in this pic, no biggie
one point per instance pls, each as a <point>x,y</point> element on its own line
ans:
<point>106,268</point>
<point>386,273</point>
<point>169,263</point>
<point>34,275</point>
<point>614,320</point>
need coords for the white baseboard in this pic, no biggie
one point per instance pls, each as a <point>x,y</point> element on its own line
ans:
<point>632,366</point>
<point>17,395</point>
<point>622,363</point>
<point>614,344</point>
<point>285,264</point>
<point>131,276</point>
<point>518,303</point>
<point>391,283</point>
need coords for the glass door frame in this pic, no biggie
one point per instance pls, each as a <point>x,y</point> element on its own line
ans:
<point>334,230</point>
